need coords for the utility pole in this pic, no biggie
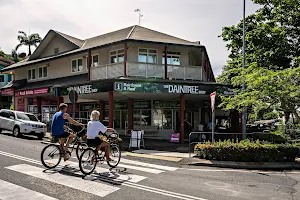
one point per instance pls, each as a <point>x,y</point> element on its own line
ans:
<point>244,113</point>
<point>140,15</point>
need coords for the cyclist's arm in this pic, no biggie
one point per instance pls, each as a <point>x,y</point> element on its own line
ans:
<point>71,120</point>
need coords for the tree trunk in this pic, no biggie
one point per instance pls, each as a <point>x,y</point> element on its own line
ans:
<point>296,116</point>
<point>287,116</point>
<point>29,50</point>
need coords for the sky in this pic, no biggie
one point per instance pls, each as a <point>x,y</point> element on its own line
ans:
<point>193,20</point>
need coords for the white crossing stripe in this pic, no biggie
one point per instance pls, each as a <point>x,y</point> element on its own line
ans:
<point>96,188</point>
<point>133,162</point>
<point>9,191</point>
<point>143,169</point>
<point>111,174</point>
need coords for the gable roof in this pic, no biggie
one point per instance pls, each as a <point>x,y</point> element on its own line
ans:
<point>132,33</point>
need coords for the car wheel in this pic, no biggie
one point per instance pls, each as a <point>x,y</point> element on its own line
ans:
<point>41,136</point>
<point>0,130</point>
<point>16,132</point>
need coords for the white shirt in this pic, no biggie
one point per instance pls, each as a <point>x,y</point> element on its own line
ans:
<point>93,129</point>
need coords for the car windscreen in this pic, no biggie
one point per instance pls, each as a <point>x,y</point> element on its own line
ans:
<point>27,117</point>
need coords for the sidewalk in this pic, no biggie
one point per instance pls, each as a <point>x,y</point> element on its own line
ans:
<point>245,165</point>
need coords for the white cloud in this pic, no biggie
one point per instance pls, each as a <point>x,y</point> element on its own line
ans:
<point>190,19</point>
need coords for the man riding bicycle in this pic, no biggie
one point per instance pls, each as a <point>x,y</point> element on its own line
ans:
<point>58,128</point>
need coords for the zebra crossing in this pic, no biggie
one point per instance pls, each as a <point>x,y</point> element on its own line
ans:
<point>109,180</point>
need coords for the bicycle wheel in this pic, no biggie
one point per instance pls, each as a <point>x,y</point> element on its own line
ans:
<point>88,161</point>
<point>49,153</point>
<point>115,155</point>
<point>81,146</point>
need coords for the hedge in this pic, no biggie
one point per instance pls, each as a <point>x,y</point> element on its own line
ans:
<point>246,151</point>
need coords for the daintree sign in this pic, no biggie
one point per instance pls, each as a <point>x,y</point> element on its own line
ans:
<point>83,89</point>
<point>157,88</point>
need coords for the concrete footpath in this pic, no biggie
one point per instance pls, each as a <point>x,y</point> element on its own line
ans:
<point>246,165</point>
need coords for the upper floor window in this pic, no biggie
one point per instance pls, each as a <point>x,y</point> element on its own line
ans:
<point>95,60</point>
<point>1,78</point>
<point>77,65</point>
<point>31,74</point>
<point>147,55</point>
<point>117,56</point>
<point>43,72</point>
<point>173,58</point>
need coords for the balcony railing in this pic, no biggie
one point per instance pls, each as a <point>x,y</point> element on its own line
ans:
<point>107,71</point>
<point>146,70</point>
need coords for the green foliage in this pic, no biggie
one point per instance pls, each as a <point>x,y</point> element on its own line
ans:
<point>28,40</point>
<point>272,72</point>
<point>247,151</point>
<point>7,56</point>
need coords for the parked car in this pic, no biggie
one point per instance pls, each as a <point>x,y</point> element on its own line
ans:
<point>21,123</point>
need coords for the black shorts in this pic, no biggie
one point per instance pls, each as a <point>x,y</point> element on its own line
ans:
<point>94,142</point>
<point>64,135</point>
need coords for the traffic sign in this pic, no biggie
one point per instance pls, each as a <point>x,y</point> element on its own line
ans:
<point>212,100</point>
<point>73,96</point>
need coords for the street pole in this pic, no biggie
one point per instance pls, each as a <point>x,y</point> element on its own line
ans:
<point>213,127</point>
<point>244,86</point>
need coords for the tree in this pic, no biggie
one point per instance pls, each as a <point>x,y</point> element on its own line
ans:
<point>28,40</point>
<point>272,70</point>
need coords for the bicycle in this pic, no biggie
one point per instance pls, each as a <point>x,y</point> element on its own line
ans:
<point>55,149</point>
<point>94,157</point>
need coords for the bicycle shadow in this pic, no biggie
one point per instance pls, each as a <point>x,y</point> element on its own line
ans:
<point>115,176</point>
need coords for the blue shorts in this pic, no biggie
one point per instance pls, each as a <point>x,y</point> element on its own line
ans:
<point>64,135</point>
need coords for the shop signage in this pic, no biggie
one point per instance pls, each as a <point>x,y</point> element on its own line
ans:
<point>87,107</point>
<point>87,89</point>
<point>83,89</point>
<point>8,91</point>
<point>166,104</point>
<point>212,100</point>
<point>32,92</point>
<point>158,88</point>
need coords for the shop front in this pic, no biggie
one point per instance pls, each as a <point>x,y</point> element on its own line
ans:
<point>158,108</point>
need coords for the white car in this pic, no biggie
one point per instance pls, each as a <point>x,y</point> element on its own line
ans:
<point>21,123</point>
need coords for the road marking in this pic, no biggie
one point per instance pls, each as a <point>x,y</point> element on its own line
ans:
<point>111,174</point>
<point>127,184</point>
<point>96,188</point>
<point>9,191</point>
<point>143,169</point>
<point>148,165</point>
<point>154,157</point>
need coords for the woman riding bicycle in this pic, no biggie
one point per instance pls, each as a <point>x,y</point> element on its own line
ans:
<point>94,127</point>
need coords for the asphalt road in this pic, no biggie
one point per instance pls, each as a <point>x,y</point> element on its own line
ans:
<point>23,177</point>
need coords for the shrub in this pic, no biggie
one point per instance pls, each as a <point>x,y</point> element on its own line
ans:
<point>247,151</point>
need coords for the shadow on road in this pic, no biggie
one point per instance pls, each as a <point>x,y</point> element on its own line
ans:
<point>112,176</point>
<point>26,137</point>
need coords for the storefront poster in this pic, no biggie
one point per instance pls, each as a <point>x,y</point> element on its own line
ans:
<point>32,92</point>
<point>20,104</point>
<point>7,92</point>
<point>166,104</point>
<point>158,88</point>
<point>174,138</point>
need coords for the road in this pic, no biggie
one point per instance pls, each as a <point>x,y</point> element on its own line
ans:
<point>23,177</point>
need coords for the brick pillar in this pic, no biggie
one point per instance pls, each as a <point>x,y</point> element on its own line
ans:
<point>130,115</point>
<point>59,101</point>
<point>111,109</point>
<point>101,103</point>
<point>39,107</point>
<point>182,108</point>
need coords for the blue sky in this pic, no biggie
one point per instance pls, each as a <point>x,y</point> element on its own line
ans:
<point>194,20</point>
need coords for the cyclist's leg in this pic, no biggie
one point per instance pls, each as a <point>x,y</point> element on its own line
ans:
<point>69,140</point>
<point>62,143</point>
<point>106,145</point>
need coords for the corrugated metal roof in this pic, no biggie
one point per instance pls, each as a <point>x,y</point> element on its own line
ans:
<point>136,33</point>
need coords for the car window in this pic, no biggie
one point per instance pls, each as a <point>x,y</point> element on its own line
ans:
<point>2,113</point>
<point>10,115</point>
<point>27,117</point>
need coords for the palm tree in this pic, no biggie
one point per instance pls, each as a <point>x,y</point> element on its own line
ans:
<point>28,40</point>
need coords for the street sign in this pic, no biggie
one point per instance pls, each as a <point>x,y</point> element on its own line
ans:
<point>212,100</point>
<point>73,96</point>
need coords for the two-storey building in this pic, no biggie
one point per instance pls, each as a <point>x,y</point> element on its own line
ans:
<point>138,78</point>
